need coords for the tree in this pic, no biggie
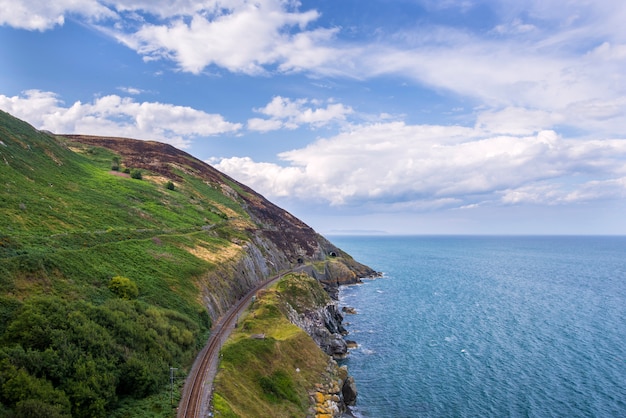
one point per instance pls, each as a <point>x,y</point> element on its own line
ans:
<point>123,287</point>
<point>31,396</point>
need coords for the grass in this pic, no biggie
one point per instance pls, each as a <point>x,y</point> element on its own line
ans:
<point>270,376</point>
<point>302,292</point>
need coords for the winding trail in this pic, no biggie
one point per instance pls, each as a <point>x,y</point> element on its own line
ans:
<point>198,387</point>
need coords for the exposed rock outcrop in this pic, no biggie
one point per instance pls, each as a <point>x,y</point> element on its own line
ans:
<point>332,399</point>
<point>348,390</point>
<point>324,326</point>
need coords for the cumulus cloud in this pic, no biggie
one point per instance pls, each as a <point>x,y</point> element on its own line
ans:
<point>428,166</point>
<point>113,115</point>
<point>285,113</point>
<point>240,36</point>
<point>43,15</point>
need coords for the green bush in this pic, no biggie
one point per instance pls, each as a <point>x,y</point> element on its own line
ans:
<point>170,185</point>
<point>30,394</point>
<point>60,358</point>
<point>136,174</point>
<point>123,287</point>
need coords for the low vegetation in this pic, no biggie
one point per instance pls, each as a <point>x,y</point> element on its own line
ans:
<point>269,365</point>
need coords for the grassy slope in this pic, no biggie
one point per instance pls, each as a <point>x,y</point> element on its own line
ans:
<point>67,226</point>
<point>272,376</point>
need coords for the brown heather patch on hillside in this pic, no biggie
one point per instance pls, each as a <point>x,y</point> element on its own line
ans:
<point>226,210</point>
<point>241,223</point>
<point>215,255</point>
<point>150,155</point>
<point>119,173</point>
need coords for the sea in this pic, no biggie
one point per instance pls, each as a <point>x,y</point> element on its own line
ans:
<point>488,326</point>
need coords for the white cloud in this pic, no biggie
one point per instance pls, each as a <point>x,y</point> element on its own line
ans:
<point>285,113</point>
<point>265,125</point>
<point>517,121</point>
<point>43,15</point>
<point>241,36</point>
<point>117,116</point>
<point>130,90</point>
<point>428,166</point>
<point>515,27</point>
<point>558,194</point>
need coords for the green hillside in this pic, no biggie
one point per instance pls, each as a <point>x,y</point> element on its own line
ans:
<point>101,271</point>
<point>98,287</point>
<point>115,255</point>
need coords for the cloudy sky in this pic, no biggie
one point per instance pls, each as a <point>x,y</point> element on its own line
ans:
<point>402,116</point>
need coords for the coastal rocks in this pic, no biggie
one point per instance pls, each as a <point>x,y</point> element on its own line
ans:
<point>333,319</point>
<point>324,326</point>
<point>322,321</point>
<point>352,344</point>
<point>333,345</point>
<point>348,310</point>
<point>338,272</point>
<point>331,400</point>
<point>348,390</point>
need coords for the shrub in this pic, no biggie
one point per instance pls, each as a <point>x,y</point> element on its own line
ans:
<point>135,174</point>
<point>123,287</point>
<point>170,185</point>
<point>115,164</point>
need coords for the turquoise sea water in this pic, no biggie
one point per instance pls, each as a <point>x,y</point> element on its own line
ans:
<point>489,326</point>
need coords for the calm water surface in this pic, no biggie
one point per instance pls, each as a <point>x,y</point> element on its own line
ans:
<point>489,326</point>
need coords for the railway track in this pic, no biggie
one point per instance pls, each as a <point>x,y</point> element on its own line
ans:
<point>195,400</point>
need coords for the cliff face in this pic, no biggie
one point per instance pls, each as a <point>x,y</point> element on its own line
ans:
<point>324,325</point>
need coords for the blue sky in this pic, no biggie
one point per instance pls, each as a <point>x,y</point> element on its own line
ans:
<point>402,116</point>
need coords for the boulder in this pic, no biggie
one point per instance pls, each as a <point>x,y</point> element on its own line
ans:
<point>349,310</point>
<point>349,391</point>
<point>351,344</point>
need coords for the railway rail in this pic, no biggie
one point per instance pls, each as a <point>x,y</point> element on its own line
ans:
<point>195,398</point>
